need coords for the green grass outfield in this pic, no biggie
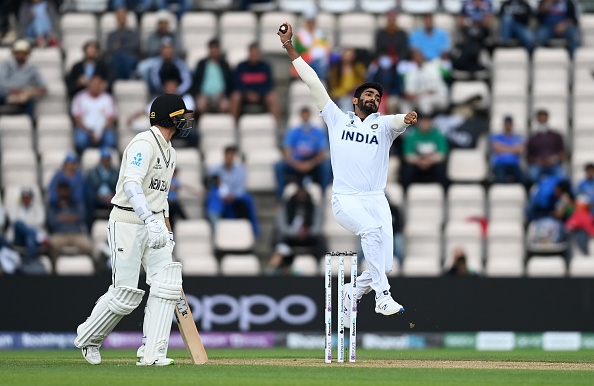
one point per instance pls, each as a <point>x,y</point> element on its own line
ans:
<point>304,367</point>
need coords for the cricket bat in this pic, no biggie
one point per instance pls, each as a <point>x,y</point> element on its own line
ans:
<point>189,332</point>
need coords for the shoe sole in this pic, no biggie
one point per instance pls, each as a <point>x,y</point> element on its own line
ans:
<point>164,364</point>
<point>83,352</point>
<point>400,311</point>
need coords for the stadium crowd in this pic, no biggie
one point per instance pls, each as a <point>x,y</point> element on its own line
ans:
<point>260,153</point>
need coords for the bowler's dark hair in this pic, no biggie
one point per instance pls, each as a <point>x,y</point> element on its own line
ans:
<point>374,85</point>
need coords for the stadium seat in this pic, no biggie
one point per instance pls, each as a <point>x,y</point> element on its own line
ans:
<point>99,231</point>
<point>240,265</point>
<point>466,235</point>
<point>125,90</point>
<point>498,266</point>
<point>215,5</point>
<point>394,193</point>
<point>51,105</point>
<point>16,124</point>
<point>260,169</point>
<point>46,262</point>
<point>200,266</point>
<point>467,166</point>
<point>583,57</point>
<point>510,58</point>
<point>51,161</point>
<point>92,156</point>
<point>513,89</point>
<point>356,30</point>
<point>305,265</point>
<point>505,239</point>
<point>465,201</point>
<point>5,54</point>
<point>583,114</point>
<point>506,198</point>
<point>380,6</point>
<point>581,267</point>
<point>269,24</point>
<point>216,132</point>
<point>189,168</point>
<point>234,235</point>
<point>295,6</point>
<point>108,24</point>
<point>544,57</point>
<point>79,265</point>
<point>419,6</point>
<point>19,167</point>
<point>425,203</point>
<point>546,266</point>
<point>422,240</point>
<point>239,30</point>
<point>337,6</point>
<point>413,266</point>
<point>197,29</point>
<point>463,91</point>
<point>452,6</point>
<point>50,57</point>
<point>78,22</point>
<point>548,80</point>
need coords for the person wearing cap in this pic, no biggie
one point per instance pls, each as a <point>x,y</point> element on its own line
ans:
<point>360,142</point>
<point>100,185</point>
<point>93,110</point>
<point>213,81</point>
<point>392,40</point>
<point>425,150</point>
<point>27,217</point>
<point>139,233</point>
<point>20,80</point>
<point>506,150</point>
<point>71,174</point>
<point>545,150</point>
<point>312,44</point>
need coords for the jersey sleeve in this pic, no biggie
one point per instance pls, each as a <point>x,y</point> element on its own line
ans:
<point>331,114</point>
<point>386,128</point>
<point>138,158</point>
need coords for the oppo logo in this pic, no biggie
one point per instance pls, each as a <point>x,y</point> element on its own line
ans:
<point>250,310</point>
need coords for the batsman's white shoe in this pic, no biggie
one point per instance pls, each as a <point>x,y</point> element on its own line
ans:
<point>385,305</point>
<point>91,354</point>
<point>161,361</point>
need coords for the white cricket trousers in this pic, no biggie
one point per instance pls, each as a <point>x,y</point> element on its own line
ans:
<point>368,215</point>
<point>129,249</point>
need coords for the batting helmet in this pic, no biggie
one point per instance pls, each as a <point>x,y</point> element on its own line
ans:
<point>168,110</point>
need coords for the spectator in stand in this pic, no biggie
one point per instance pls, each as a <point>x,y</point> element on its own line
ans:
<point>66,221</point>
<point>8,9</point>
<point>580,223</point>
<point>213,82</point>
<point>305,149</point>
<point>558,19</point>
<point>170,66</point>
<point>383,71</point>
<point>345,76</point>
<point>123,47</point>
<point>545,197</point>
<point>514,16</point>
<point>506,150</point>
<point>27,216</point>
<point>433,42</point>
<point>425,89</point>
<point>93,111</point>
<point>425,150</point>
<point>71,174</point>
<point>311,43</point>
<point>20,81</point>
<point>83,71</point>
<point>39,21</point>
<point>391,39</point>
<point>586,186</point>
<point>162,35</point>
<point>175,209</point>
<point>459,265</point>
<point>254,84</point>
<point>475,20</point>
<point>546,150</point>
<point>141,6</point>
<point>299,224</point>
<point>227,197</point>
<point>100,186</point>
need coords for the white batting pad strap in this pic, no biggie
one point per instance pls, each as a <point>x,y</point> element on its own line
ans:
<point>165,292</point>
<point>109,310</point>
<point>137,199</point>
<point>167,283</point>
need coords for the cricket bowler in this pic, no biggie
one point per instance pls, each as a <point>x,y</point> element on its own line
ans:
<point>139,233</point>
<point>359,149</point>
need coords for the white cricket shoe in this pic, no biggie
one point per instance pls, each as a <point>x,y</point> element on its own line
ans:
<point>91,354</point>
<point>161,361</point>
<point>385,305</point>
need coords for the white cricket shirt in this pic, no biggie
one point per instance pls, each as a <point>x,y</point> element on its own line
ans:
<point>359,150</point>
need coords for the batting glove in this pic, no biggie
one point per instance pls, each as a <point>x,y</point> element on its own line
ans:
<point>158,234</point>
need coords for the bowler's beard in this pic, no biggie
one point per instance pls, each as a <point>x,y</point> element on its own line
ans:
<point>366,108</point>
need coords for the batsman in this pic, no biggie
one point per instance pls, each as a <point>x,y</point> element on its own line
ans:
<point>139,233</point>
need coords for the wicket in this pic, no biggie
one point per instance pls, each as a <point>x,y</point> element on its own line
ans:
<point>340,314</point>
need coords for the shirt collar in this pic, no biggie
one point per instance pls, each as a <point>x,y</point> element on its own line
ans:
<point>166,145</point>
<point>352,115</point>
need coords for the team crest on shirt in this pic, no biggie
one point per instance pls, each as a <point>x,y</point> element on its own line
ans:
<point>374,126</point>
<point>352,124</point>
<point>158,164</point>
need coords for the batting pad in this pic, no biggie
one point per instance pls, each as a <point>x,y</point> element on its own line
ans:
<point>109,310</point>
<point>165,292</point>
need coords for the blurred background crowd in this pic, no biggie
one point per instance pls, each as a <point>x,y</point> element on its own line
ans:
<point>496,179</point>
